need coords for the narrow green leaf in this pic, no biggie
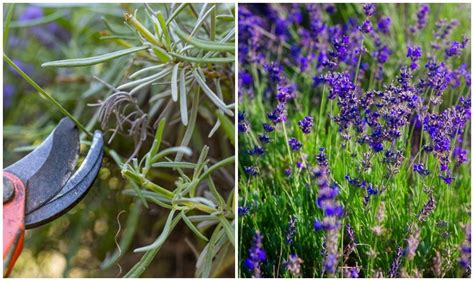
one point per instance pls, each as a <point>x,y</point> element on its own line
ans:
<point>174,82</point>
<point>228,126</point>
<point>190,128</point>
<point>214,129</point>
<point>142,30</point>
<point>213,97</point>
<point>215,193</point>
<point>213,24</point>
<point>161,54</point>
<point>229,230</point>
<point>93,60</point>
<point>202,17</point>
<point>183,103</point>
<point>148,79</point>
<point>192,227</point>
<point>155,146</point>
<point>45,95</point>
<point>38,21</point>
<point>226,18</point>
<point>177,149</point>
<point>6,25</point>
<point>139,193</point>
<point>163,236</point>
<point>147,258</point>
<point>145,70</point>
<point>207,261</point>
<point>158,137</point>
<point>205,45</point>
<point>164,28</point>
<point>176,13</point>
<point>203,60</point>
<point>175,165</point>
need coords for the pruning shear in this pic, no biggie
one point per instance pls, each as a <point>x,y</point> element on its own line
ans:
<point>41,186</point>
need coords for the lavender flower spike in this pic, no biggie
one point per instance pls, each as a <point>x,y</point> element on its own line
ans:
<point>256,256</point>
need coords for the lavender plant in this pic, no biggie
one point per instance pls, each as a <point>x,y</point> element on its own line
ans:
<point>355,123</point>
<point>165,99</point>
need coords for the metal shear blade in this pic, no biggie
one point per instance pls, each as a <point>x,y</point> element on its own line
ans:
<point>46,172</point>
<point>46,169</point>
<point>74,190</point>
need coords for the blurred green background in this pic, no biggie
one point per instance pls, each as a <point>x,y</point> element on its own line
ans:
<point>76,244</point>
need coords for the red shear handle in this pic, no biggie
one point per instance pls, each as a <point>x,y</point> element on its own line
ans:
<point>14,194</point>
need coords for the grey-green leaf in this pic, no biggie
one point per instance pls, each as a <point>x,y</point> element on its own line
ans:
<point>212,96</point>
<point>174,82</point>
<point>183,103</point>
<point>94,60</point>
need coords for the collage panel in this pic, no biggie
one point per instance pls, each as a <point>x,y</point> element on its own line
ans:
<point>354,140</point>
<point>118,140</point>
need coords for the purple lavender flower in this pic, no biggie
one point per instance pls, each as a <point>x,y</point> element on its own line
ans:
<point>245,78</point>
<point>369,9</point>
<point>256,256</point>
<point>278,115</point>
<point>465,249</point>
<point>25,67</point>
<point>420,169</point>
<point>332,211</point>
<point>351,272</point>
<point>414,53</point>
<point>384,24</point>
<point>291,230</point>
<point>256,151</point>
<point>275,71</point>
<point>412,242</point>
<point>268,128</point>
<point>454,49</point>
<point>460,155</point>
<point>264,138</point>
<point>382,54</point>
<point>422,15</point>
<point>306,124</point>
<point>295,145</point>
<point>243,125</point>
<point>447,179</point>
<point>394,273</point>
<point>287,172</point>
<point>243,210</point>
<point>31,12</point>
<point>322,160</point>
<point>293,265</point>
<point>250,171</point>
<point>8,92</point>
<point>428,208</point>
<point>366,26</point>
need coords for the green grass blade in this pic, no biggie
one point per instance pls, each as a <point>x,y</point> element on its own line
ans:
<point>6,25</point>
<point>44,94</point>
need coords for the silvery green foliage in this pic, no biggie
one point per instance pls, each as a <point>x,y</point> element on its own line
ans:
<point>179,77</point>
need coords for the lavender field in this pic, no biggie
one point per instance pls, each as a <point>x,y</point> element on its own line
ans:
<point>354,140</point>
